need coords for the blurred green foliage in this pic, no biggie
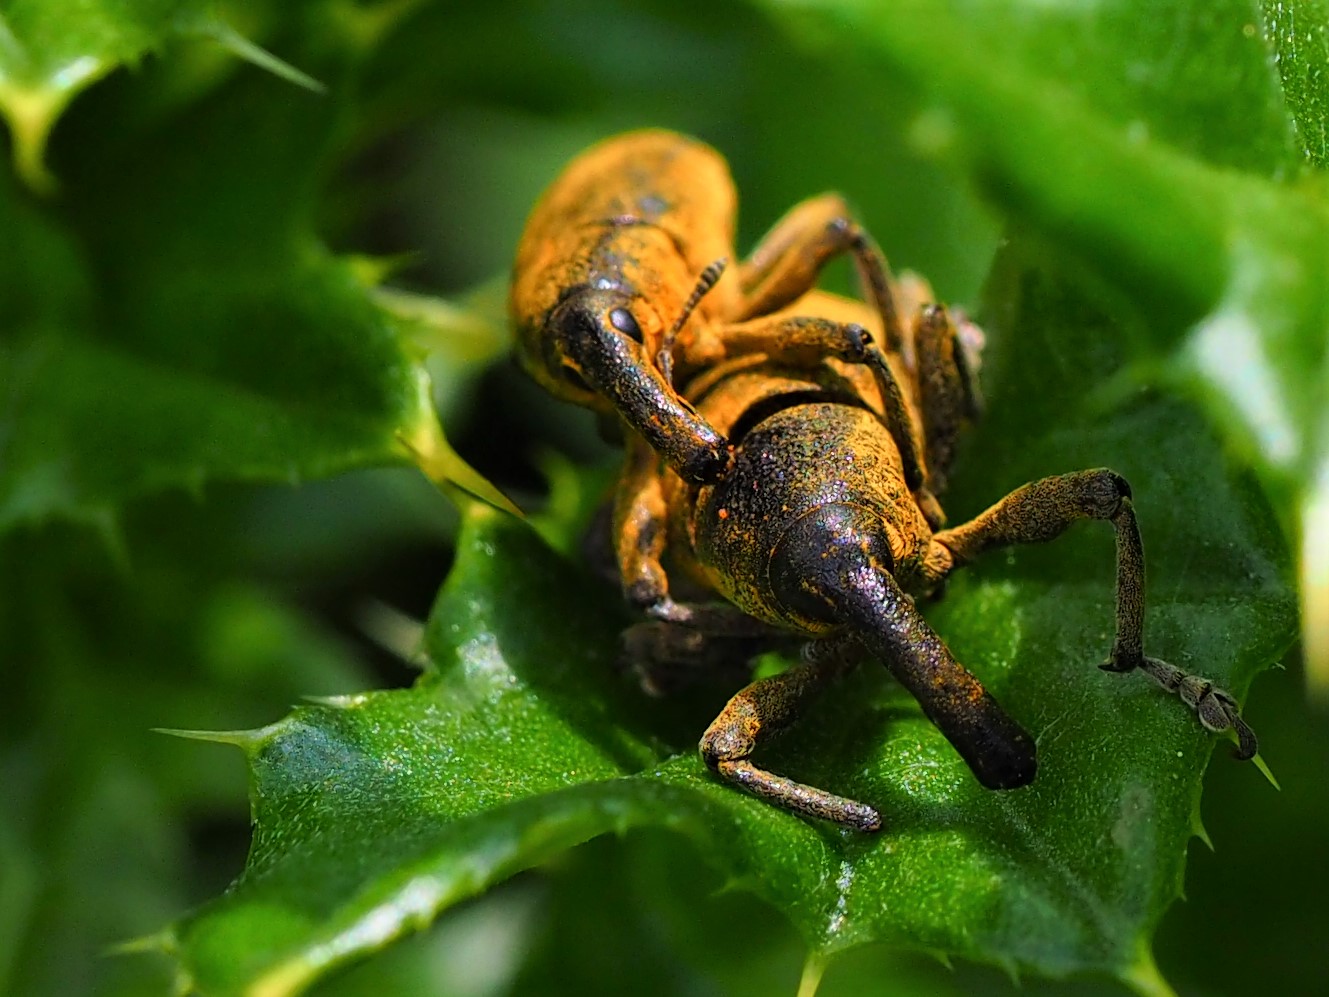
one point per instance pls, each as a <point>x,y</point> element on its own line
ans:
<point>194,347</point>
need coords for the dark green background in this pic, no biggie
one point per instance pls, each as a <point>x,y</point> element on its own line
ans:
<point>197,386</point>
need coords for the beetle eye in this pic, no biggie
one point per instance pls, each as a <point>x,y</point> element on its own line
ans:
<point>622,320</point>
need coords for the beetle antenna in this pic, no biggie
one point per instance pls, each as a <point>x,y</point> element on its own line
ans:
<point>707,280</point>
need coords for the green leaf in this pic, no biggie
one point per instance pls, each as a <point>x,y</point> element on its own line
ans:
<point>1299,33</point>
<point>172,320</point>
<point>169,325</point>
<point>374,813</point>
<point>52,50</point>
<point>95,834</point>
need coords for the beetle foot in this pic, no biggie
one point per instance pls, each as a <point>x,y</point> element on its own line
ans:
<point>1216,708</point>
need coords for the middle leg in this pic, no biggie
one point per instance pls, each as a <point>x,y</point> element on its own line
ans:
<point>790,258</point>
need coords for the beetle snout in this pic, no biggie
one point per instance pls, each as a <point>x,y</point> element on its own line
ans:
<point>597,343</point>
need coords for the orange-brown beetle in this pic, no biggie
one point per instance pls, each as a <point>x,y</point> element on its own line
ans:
<point>817,532</point>
<point>620,281</point>
<point>803,459</point>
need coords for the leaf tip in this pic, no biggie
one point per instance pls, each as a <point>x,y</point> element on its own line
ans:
<point>1143,976</point>
<point>343,702</point>
<point>1198,830</point>
<point>467,333</point>
<point>430,450</point>
<point>33,109</point>
<point>398,633</point>
<point>1266,771</point>
<point>943,957</point>
<point>162,941</point>
<point>245,739</point>
<point>242,48</point>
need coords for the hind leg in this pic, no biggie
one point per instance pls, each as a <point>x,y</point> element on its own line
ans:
<point>1041,511</point>
<point>948,385</point>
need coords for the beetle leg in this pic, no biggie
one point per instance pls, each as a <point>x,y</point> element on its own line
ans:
<point>1041,511</point>
<point>948,389</point>
<point>795,339</point>
<point>788,261</point>
<point>767,707</point>
<point>640,527</point>
<point>1216,709</point>
<point>641,531</point>
<point>598,544</point>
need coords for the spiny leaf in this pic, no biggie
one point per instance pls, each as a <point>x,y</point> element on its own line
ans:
<point>209,337</point>
<point>52,50</point>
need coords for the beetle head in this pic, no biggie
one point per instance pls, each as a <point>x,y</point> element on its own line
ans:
<point>834,566</point>
<point>592,338</point>
<point>595,346</point>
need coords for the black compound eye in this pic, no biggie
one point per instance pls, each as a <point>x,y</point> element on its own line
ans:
<point>622,320</point>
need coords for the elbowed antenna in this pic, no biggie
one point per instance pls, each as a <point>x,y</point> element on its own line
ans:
<point>834,565</point>
<point>664,359</point>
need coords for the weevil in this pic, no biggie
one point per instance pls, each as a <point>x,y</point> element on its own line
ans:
<point>622,283</point>
<point>817,532</point>
<point>621,286</point>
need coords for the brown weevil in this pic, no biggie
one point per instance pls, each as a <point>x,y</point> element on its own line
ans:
<point>796,473</point>
<point>621,283</point>
<point>818,531</point>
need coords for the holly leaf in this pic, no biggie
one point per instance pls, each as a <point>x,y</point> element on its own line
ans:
<point>52,50</point>
<point>172,321</point>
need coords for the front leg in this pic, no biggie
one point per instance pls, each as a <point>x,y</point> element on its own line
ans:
<point>641,528</point>
<point>806,340</point>
<point>640,532</point>
<point>766,708</point>
<point>1041,511</point>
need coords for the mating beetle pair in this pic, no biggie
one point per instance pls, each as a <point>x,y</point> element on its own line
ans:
<point>796,471</point>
